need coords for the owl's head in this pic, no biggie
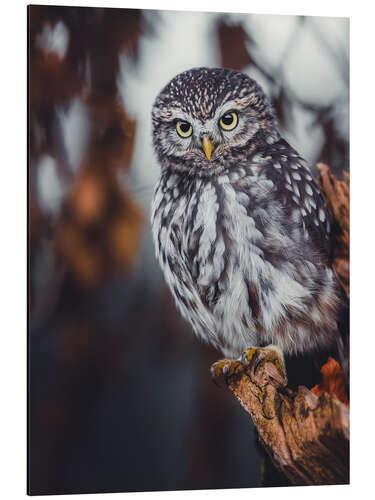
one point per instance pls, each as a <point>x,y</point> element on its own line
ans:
<point>204,116</point>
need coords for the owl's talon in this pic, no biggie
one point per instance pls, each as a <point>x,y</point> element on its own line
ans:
<point>244,358</point>
<point>227,370</point>
<point>217,371</point>
<point>213,377</point>
<point>258,363</point>
<point>247,356</point>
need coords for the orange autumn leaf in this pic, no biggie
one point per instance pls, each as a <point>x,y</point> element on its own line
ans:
<point>333,381</point>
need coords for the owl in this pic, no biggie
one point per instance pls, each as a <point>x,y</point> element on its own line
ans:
<point>240,228</point>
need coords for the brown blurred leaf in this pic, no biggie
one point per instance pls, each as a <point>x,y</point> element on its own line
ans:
<point>87,198</point>
<point>101,226</point>
<point>333,382</point>
<point>232,44</point>
<point>100,231</point>
<point>97,232</point>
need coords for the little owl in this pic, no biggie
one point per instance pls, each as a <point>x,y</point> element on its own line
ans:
<point>241,229</point>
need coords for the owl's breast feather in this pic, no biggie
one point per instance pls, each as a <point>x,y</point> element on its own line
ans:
<point>230,267</point>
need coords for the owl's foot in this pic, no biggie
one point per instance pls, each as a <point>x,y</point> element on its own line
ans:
<point>250,363</point>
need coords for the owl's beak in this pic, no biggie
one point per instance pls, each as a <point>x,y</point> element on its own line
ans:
<point>208,147</point>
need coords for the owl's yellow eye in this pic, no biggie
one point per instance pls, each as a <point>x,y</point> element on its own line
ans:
<point>184,129</point>
<point>229,121</point>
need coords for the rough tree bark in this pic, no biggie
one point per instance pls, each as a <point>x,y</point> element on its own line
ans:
<point>337,198</point>
<point>305,432</point>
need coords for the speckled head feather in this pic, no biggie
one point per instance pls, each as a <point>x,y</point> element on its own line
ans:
<point>200,91</point>
<point>240,228</point>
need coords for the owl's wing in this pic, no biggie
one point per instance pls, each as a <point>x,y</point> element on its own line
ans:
<point>296,189</point>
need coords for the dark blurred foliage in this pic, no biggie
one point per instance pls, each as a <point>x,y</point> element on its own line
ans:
<point>335,149</point>
<point>120,397</point>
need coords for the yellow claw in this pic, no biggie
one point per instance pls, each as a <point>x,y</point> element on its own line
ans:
<point>248,355</point>
<point>226,369</point>
<point>208,147</point>
<point>220,367</point>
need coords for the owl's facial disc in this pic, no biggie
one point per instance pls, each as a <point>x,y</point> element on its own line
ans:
<point>206,140</point>
<point>204,116</point>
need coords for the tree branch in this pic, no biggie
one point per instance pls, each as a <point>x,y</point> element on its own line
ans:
<point>306,436</point>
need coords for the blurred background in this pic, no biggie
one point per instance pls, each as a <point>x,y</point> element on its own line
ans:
<point>120,396</point>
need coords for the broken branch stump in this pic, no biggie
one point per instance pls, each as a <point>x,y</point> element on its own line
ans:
<point>306,436</point>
